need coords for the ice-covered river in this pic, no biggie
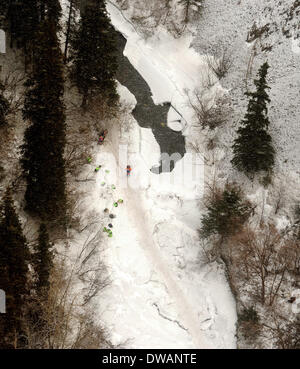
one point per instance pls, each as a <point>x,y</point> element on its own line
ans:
<point>146,112</point>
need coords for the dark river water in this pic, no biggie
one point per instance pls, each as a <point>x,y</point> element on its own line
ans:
<point>148,114</point>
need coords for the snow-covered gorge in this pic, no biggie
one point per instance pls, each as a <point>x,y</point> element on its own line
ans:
<point>162,294</point>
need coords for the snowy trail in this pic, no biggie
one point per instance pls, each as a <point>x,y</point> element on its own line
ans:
<point>186,312</point>
<point>136,214</point>
<point>151,304</point>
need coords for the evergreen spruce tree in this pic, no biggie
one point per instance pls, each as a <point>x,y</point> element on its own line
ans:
<point>42,262</point>
<point>44,140</point>
<point>4,6</point>
<point>14,258</point>
<point>4,106</point>
<point>252,149</point>
<point>93,52</point>
<point>226,213</point>
<point>23,17</point>
<point>51,10</point>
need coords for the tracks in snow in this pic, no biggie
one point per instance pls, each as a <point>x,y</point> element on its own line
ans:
<point>187,317</point>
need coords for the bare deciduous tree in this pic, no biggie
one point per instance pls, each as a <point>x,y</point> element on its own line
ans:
<point>190,7</point>
<point>220,64</point>
<point>63,320</point>
<point>172,14</point>
<point>261,258</point>
<point>13,86</point>
<point>284,332</point>
<point>209,114</point>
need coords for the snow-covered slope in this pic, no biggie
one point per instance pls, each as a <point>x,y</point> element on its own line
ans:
<point>225,24</point>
